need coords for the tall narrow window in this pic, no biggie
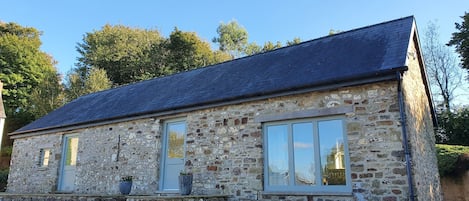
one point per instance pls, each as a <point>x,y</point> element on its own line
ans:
<point>278,155</point>
<point>306,155</point>
<point>331,141</point>
<point>44,155</point>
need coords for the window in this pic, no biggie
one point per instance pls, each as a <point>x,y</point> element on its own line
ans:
<point>307,155</point>
<point>44,155</point>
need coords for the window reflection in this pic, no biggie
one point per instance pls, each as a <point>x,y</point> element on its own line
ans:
<point>45,157</point>
<point>304,153</point>
<point>176,140</point>
<point>332,152</point>
<point>278,154</point>
<point>72,151</point>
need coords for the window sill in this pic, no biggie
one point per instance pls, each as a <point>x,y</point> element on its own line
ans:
<point>305,193</point>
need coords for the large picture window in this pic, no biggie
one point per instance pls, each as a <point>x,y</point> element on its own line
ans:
<point>307,155</point>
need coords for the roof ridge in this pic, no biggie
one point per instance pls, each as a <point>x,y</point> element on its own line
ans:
<point>246,57</point>
<point>369,52</point>
<point>365,27</point>
<point>348,31</point>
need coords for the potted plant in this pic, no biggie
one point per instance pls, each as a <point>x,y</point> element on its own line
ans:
<point>125,185</point>
<point>185,183</point>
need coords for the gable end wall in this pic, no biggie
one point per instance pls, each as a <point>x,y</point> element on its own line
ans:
<point>420,130</point>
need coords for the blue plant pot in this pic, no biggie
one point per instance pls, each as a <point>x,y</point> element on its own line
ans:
<point>125,187</point>
<point>185,184</point>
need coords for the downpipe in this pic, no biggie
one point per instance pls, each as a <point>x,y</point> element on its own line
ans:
<point>405,141</point>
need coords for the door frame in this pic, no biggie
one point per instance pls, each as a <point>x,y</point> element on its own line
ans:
<point>164,151</point>
<point>63,158</point>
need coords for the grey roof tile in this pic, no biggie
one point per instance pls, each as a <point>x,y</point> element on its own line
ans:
<point>369,51</point>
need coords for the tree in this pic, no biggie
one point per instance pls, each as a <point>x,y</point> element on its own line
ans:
<point>252,48</point>
<point>81,82</point>
<point>124,52</point>
<point>443,71</point>
<point>187,51</point>
<point>48,95</point>
<point>460,40</point>
<point>23,67</point>
<point>295,41</point>
<point>333,31</point>
<point>268,46</point>
<point>232,38</point>
<point>454,127</point>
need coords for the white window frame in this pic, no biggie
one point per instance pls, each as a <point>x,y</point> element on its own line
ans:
<point>318,189</point>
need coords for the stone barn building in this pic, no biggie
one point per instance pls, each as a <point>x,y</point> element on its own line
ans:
<point>343,117</point>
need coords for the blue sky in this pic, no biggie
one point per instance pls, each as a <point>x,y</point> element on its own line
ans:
<point>64,23</point>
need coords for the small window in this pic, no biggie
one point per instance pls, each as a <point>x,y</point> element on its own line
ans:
<point>308,155</point>
<point>44,155</point>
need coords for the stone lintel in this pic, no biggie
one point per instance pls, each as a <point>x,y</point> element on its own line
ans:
<point>304,114</point>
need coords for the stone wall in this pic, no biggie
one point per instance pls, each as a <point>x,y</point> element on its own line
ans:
<point>456,187</point>
<point>26,175</point>
<point>110,152</point>
<point>225,149</point>
<point>420,131</point>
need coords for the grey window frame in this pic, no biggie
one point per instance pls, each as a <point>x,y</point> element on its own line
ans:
<point>166,124</point>
<point>319,189</point>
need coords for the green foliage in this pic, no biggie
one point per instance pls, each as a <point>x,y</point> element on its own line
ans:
<point>295,41</point>
<point>48,95</point>
<point>3,179</point>
<point>447,156</point>
<point>6,151</point>
<point>83,81</point>
<point>232,38</point>
<point>333,31</point>
<point>23,67</point>
<point>186,51</point>
<point>124,52</point>
<point>268,46</point>
<point>127,178</point>
<point>253,48</point>
<point>460,40</point>
<point>453,127</point>
<point>130,54</point>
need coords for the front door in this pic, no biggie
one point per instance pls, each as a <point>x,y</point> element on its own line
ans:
<point>68,164</point>
<point>173,154</point>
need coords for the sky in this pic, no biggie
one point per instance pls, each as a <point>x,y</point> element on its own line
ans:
<point>65,22</point>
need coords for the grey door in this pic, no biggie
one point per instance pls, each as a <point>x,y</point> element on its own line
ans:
<point>173,154</point>
<point>68,164</point>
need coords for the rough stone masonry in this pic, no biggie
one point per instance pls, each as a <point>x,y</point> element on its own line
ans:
<point>225,148</point>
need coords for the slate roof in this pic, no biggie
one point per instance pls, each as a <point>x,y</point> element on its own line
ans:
<point>370,51</point>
